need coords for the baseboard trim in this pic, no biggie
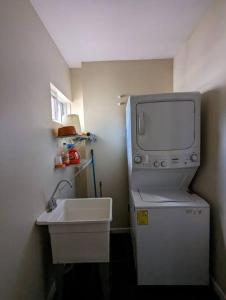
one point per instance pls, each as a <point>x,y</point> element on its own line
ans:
<point>218,290</point>
<point>52,292</point>
<point>120,230</point>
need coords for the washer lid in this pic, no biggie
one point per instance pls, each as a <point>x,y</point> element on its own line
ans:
<point>164,196</point>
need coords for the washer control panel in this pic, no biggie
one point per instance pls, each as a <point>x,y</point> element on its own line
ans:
<point>171,161</point>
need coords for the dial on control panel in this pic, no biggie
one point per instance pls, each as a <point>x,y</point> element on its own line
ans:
<point>194,157</point>
<point>156,164</point>
<point>137,159</point>
<point>163,164</point>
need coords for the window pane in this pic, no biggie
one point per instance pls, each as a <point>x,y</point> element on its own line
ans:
<point>60,105</point>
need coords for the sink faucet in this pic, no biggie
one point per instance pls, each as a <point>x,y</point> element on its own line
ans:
<point>52,203</point>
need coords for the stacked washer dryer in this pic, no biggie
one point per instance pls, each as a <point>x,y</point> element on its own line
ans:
<point>169,225</point>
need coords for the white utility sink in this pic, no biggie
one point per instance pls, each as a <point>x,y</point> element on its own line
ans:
<point>79,229</point>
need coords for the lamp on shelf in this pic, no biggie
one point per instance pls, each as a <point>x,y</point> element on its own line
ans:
<point>73,120</point>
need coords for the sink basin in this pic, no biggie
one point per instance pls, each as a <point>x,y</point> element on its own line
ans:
<point>78,210</point>
<point>79,229</point>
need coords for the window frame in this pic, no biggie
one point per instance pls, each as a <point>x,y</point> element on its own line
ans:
<point>60,104</point>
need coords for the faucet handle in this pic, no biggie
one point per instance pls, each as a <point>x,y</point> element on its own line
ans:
<point>51,204</point>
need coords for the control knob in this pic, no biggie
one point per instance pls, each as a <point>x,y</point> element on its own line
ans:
<point>137,159</point>
<point>163,164</point>
<point>156,164</point>
<point>194,157</point>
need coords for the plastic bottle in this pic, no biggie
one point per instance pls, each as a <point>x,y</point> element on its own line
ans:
<point>58,162</point>
<point>74,155</point>
<point>65,154</point>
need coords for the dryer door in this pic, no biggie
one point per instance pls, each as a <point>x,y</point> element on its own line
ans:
<point>165,125</point>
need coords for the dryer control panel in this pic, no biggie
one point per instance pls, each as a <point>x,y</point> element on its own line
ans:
<point>151,161</point>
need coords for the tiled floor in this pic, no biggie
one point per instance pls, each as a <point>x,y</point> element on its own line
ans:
<point>83,281</point>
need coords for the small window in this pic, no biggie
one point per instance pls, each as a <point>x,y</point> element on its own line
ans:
<point>60,104</point>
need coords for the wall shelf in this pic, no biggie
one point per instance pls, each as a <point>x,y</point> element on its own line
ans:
<point>79,138</point>
<point>75,139</point>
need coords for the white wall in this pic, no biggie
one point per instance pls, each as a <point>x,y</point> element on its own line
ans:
<point>29,60</point>
<point>201,65</point>
<point>102,82</point>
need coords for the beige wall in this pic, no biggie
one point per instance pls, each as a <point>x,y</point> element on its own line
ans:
<point>77,94</point>
<point>102,82</point>
<point>29,60</point>
<point>201,65</point>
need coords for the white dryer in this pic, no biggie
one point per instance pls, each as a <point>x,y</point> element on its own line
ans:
<point>170,227</point>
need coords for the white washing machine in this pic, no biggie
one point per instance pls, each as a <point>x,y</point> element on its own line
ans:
<point>169,226</point>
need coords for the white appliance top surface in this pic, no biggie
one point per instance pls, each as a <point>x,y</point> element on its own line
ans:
<point>145,197</point>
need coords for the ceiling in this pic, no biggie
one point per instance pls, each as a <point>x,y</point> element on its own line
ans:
<point>97,30</point>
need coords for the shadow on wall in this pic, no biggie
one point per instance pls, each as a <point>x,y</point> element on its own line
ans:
<point>210,181</point>
<point>33,258</point>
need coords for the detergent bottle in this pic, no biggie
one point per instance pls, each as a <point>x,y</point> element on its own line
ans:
<point>74,156</point>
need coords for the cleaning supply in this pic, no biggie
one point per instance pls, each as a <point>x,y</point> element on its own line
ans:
<point>58,162</point>
<point>65,154</point>
<point>74,155</point>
